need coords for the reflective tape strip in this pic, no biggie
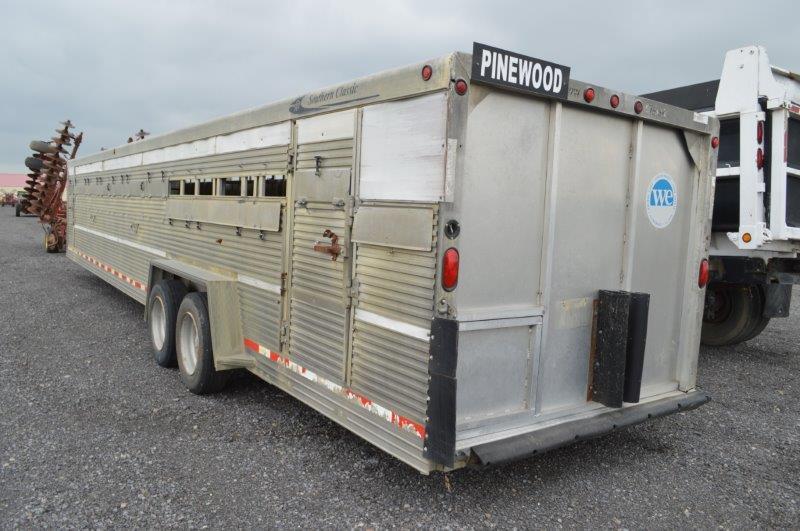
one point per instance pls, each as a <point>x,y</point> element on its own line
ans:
<point>404,423</point>
<point>260,284</point>
<point>394,325</point>
<point>108,269</point>
<point>123,241</point>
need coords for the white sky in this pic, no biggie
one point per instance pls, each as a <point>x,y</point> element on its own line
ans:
<point>114,67</point>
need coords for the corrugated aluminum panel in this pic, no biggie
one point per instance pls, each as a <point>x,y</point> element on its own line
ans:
<point>401,444</point>
<point>386,364</point>
<point>261,316</point>
<point>319,313</point>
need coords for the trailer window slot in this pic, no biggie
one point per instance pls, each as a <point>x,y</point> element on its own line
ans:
<point>273,186</point>
<point>189,187</point>
<point>174,188</point>
<point>230,186</point>
<point>206,187</point>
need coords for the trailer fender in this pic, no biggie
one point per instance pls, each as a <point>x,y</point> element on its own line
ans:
<point>227,340</point>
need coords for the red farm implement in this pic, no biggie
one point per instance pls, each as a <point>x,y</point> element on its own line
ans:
<point>46,183</point>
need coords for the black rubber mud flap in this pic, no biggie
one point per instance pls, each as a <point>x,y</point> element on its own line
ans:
<point>778,298</point>
<point>619,344</point>
<point>637,338</point>
<point>440,428</point>
<point>611,340</point>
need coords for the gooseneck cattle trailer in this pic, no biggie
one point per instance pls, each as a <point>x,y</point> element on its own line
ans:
<point>756,222</point>
<point>466,260</point>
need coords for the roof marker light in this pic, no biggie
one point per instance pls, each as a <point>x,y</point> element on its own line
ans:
<point>614,101</point>
<point>427,72</point>
<point>461,87</point>
<point>638,107</point>
<point>588,95</point>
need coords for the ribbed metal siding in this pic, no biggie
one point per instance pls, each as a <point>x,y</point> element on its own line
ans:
<point>261,316</point>
<point>127,211</point>
<point>318,312</point>
<point>151,180</point>
<point>390,367</point>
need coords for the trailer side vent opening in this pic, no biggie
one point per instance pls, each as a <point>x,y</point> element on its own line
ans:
<point>460,261</point>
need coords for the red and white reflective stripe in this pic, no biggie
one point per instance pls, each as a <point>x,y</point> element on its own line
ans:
<point>108,269</point>
<point>404,423</point>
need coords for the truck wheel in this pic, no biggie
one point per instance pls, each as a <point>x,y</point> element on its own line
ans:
<point>165,297</point>
<point>759,322</point>
<point>193,339</point>
<point>729,314</point>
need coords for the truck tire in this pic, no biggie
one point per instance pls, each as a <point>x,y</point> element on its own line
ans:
<point>162,312</point>
<point>731,313</point>
<point>759,322</point>
<point>193,340</point>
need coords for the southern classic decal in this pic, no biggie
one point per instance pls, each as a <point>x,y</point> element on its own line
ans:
<point>325,100</point>
<point>493,66</point>
<point>661,201</point>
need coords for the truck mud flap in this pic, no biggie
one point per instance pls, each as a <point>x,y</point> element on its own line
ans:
<point>617,358</point>
<point>553,437</point>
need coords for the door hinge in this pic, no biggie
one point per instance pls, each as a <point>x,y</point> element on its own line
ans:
<point>290,163</point>
<point>350,210</point>
<point>352,289</point>
<point>283,334</point>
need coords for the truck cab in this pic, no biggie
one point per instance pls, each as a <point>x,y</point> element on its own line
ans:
<point>755,236</point>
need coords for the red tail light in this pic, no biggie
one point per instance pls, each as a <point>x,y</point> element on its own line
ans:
<point>702,276</point>
<point>450,269</point>
<point>638,107</point>
<point>760,132</point>
<point>715,142</point>
<point>588,95</point>
<point>461,87</point>
<point>760,158</point>
<point>614,101</point>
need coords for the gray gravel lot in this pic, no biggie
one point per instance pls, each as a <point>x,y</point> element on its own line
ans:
<point>94,434</point>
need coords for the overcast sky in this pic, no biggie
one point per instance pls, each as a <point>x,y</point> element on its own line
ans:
<point>113,67</point>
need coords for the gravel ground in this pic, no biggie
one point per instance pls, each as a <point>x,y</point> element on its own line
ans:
<point>94,434</point>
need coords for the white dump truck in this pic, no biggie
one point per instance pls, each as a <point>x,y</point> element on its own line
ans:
<point>467,260</point>
<point>756,223</point>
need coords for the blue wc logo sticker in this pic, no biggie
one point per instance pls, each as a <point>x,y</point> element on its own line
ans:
<point>661,201</point>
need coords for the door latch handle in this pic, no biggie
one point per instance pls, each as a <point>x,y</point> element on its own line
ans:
<point>333,248</point>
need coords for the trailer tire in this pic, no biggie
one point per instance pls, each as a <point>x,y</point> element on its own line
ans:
<point>162,313</point>
<point>193,341</point>
<point>730,314</point>
<point>18,208</point>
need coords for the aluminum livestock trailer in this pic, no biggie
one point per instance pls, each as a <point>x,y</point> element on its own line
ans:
<point>756,222</point>
<point>466,260</point>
